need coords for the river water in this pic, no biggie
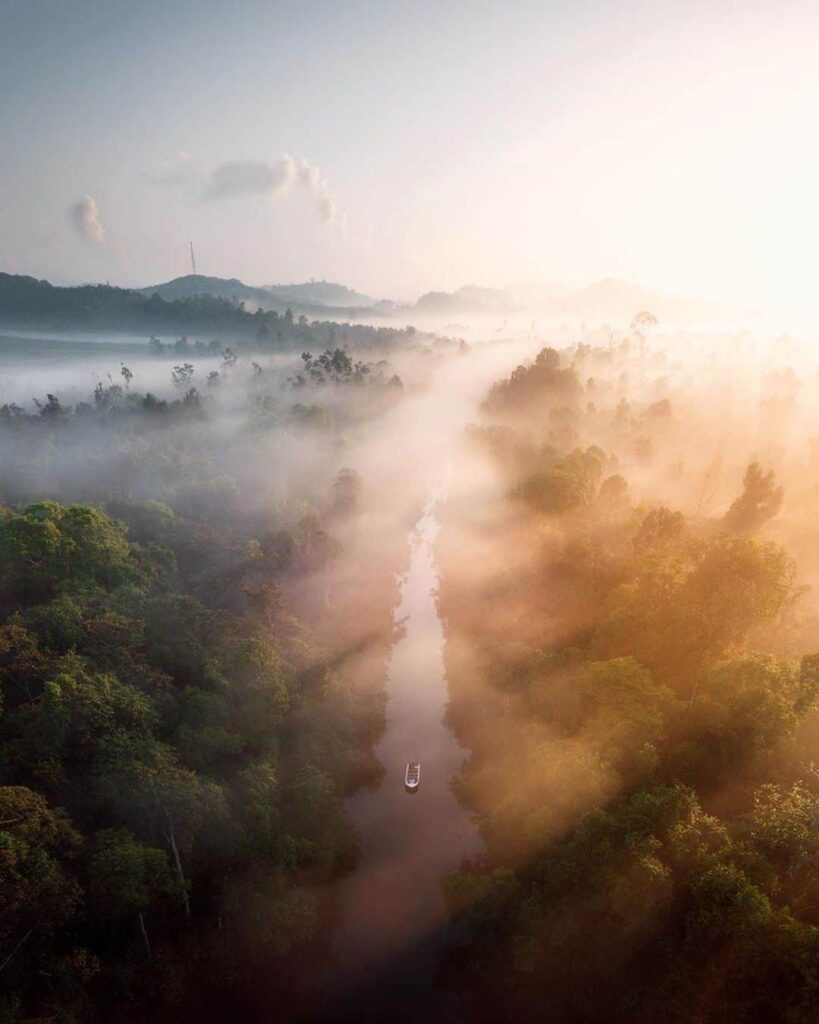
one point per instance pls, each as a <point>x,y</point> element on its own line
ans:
<point>391,926</point>
<point>392,923</point>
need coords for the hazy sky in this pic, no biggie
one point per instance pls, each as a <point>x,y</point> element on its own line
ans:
<point>445,143</point>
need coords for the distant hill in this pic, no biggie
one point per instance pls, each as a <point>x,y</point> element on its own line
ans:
<point>608,299</point>
<point>469,299</point>
<point>200,303</point>
<point>192,285</point>
<point>320,300</point>
<point>320,293</point>
<point>29,304</point>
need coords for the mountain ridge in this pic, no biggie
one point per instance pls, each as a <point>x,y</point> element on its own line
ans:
<point>605,299</point>
<point>278,298</point>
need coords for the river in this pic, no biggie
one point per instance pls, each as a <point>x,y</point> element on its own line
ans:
<point>391,920</point>
<point>391,926</point>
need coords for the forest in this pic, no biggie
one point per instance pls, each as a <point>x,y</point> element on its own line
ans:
<point>29,304</point>
<point>202,559</point>
<point>191,667</point>
<point>202,556</point>
<point>627,583</point>
<point>409,512</point>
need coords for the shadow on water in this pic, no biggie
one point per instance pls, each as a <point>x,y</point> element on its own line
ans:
<point>391,925</point>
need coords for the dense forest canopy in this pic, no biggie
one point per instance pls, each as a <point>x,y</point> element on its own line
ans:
<point>191,669</point>
<point>632,655</point>
<point>201,548</point>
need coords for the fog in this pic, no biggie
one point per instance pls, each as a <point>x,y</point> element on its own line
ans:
<point>431,635</point>
<point>629,575</point>
<point>571,568</point>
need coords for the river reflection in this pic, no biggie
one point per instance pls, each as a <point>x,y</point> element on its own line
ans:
<point>392,923</point>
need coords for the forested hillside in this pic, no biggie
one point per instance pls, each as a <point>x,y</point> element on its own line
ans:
<point>26,303</point>
<point>319,299</point>
<point>631,643</point>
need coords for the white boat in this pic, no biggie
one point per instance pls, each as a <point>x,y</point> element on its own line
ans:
<point>412,776</point>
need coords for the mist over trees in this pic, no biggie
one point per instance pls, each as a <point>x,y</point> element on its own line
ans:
<point>202,540</point>
<point>191,671</point>
<point>430,637</point>
<point>634,673</point>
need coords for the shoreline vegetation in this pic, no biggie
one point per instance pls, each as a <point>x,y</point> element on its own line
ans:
<point>196,601</point>
<point>636,682</point>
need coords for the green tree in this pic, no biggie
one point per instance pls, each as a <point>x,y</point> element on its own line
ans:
<point>628,710</point>
<point>63,739</point>
<point>758,700</point>
<point>23,665</point>
<point>48,545</point>
<point>571,484</point>
<point>257,800</point>
<point>127,879</point>
<point>660,530</point>
<point>37,893</point>
<point>761,500</point>
<point>170,804</point>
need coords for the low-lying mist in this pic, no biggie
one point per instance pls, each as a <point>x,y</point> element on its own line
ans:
<point>203,548</point>
<point>628,584</point>
<point>200,555</point>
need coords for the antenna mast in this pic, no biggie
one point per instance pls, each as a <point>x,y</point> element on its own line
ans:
<point>193,261</point>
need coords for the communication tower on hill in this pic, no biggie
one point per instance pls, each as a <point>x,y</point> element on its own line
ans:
<point>193,261</point>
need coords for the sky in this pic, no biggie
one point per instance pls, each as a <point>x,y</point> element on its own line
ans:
<point>399,147</point>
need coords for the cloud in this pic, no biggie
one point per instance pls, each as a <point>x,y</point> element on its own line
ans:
<point>85,216</point>
<point>263,178</point>
<point>252,178</point>
<point>311,178</point>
